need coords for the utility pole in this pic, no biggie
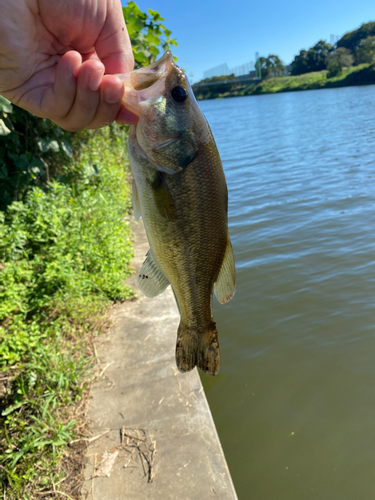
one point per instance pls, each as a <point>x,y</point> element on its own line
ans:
<point>334,39</point>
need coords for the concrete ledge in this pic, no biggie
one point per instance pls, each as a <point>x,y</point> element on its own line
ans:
<point>142,394</point>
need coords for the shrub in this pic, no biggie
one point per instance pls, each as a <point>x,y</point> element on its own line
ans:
<point>64,253</point>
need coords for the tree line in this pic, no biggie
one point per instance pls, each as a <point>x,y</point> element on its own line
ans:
<point>354,48</point>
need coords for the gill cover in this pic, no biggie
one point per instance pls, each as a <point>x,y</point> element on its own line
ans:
<point>161,96</point>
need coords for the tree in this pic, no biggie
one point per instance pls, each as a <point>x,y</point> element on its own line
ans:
<point>365,52</point>
<point>300,64</point>
<point>317,55</point>
<point>276,66</point>
<point>263,67</point>
<point>147,34</point>
<point>271,66</point>
<point>352,39</point>
<point>315,59</point>
<point>338,60</point>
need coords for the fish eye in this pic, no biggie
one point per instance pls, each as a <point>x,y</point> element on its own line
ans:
<point>179,94</point>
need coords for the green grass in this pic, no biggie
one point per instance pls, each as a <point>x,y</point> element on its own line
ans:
<point>365,73</point>
<point>64,254</point>
<point>289,83</point>
<point>357,75</point>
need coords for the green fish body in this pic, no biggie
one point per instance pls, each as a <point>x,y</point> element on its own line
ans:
<point>180,192</point>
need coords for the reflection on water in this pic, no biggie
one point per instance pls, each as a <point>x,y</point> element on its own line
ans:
<point>294,402</point>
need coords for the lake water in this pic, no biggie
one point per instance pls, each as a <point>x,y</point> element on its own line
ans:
<point>294,403</point>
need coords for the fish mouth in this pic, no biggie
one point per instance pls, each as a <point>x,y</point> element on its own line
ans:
<point>144,78</point>
<point>143,83</point>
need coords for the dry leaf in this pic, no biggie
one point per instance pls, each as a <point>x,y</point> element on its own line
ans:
<point>105,466</point>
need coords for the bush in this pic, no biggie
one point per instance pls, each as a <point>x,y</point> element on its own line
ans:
<point>64,253</point>
<point>32,152</point>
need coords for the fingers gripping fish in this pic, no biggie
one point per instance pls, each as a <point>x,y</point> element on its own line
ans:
<point>180,192</point>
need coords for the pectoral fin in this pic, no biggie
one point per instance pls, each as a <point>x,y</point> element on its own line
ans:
<point>175,154</point>
<point>162,196</point>
<point>136,202</point>
<point>151,281</point>
<point>225,285</point>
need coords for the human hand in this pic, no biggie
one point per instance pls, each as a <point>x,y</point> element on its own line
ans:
<point>53,56</point>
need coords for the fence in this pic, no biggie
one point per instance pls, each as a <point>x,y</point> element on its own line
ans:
<point>224,70</point>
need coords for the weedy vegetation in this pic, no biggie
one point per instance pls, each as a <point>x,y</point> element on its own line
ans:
<point>357,75</point>
<point>64,251</point>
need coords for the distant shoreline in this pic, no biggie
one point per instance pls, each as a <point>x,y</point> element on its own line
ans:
<point>357,75</point>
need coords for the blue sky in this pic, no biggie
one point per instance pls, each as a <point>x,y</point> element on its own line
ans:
<point>211,32</point>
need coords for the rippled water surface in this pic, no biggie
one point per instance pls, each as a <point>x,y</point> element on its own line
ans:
<point>294,403</point>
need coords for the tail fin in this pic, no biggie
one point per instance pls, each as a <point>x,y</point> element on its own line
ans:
<point>198,349</point>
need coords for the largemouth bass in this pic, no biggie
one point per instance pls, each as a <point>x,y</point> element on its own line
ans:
<point>180,192</point>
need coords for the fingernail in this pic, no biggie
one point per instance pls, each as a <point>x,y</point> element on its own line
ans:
<point>95,78</point>
<point>113,94</point>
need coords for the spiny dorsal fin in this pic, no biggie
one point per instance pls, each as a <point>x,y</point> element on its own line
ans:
<point>151,281</point>
<point>136,202</point>
<point>225,285</point>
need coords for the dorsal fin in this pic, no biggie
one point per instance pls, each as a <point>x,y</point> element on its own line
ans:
<point>151,281</point>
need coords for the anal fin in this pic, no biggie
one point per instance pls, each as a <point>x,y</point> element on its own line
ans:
<point>225,285</point>
<point>151,281</point>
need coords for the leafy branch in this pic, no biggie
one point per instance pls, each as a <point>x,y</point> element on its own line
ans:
<point>147,33</point>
